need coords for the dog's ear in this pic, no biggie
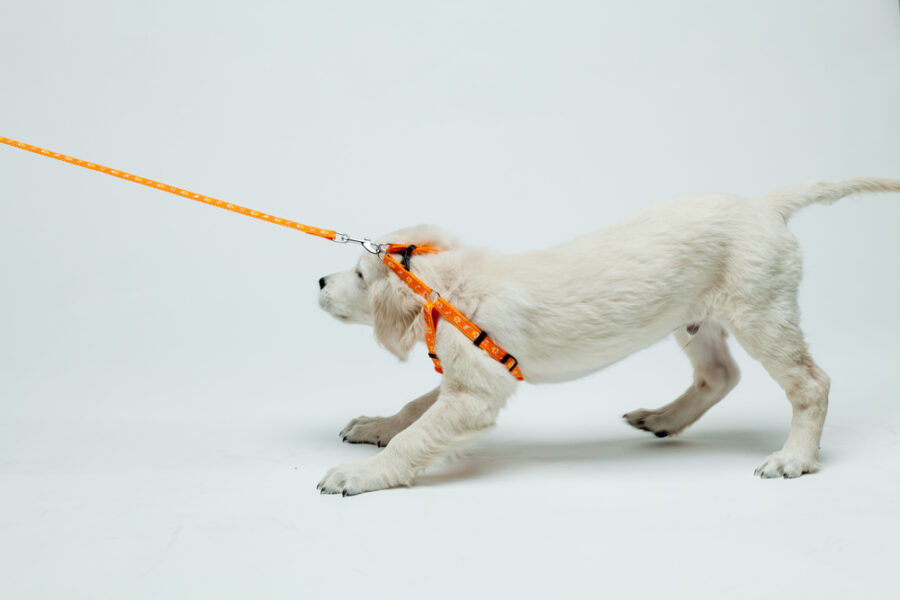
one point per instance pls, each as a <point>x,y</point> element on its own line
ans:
<point>396,315</point>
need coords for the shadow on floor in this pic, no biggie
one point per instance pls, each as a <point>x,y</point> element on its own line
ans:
<point>498,456</point>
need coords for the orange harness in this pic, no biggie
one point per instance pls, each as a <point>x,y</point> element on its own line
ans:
<point>435,305</point>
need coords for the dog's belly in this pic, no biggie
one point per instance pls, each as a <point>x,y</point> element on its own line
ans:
<point>579,352</point>
<point>589,354</point>
<point>562,345</point>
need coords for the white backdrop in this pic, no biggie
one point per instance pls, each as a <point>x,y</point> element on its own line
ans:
<point>170,393</point>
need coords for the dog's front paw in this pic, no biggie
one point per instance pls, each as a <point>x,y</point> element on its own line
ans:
<point>787,464</point>
<point>355,478</point>
<point>371,430</point>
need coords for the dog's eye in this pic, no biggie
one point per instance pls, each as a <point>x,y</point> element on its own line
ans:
<point>359,274</point>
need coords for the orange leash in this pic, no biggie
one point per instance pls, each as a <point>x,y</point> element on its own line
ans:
<point>325,233</point>
<point>435,305</point>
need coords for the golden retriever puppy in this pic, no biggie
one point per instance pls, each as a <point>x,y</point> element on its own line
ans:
<point>697,267</point>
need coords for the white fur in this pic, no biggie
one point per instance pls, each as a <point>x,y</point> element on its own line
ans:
<point>718,261</point>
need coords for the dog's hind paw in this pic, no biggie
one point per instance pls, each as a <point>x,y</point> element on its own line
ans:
<point>648,420</point>
<point>371,430</point>
<point>786,464</point>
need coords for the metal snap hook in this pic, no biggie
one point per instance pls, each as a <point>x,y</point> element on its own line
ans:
<point>366,243</point>
<point>371,246</point>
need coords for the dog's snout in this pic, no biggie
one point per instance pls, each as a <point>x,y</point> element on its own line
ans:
<point>321,282</point>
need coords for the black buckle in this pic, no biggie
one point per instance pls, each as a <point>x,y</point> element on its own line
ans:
<point>481,336</point>
<point>407,253</point>
<point>506,357</point>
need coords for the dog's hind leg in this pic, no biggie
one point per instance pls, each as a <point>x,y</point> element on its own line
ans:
<point>381,430</point>
<point>715,374</point>
<point>774,338</point>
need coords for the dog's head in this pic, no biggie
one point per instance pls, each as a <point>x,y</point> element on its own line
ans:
<point>372,295</point>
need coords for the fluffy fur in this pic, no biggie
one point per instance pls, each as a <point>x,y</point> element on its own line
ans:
<point>696,267</point>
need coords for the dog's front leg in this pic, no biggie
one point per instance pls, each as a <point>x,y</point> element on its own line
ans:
<point>381,430</point>
<point>465,407</point>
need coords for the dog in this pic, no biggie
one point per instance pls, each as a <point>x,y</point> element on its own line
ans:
<point>698,267</point>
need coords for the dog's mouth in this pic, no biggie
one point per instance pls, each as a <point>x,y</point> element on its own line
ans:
<point>325,305</point>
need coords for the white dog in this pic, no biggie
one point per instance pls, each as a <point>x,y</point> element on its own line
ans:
<point>698,267</point>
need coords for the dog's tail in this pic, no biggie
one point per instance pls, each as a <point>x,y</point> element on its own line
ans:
<point>788,200</point>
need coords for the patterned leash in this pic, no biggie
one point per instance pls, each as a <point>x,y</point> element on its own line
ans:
<point>435,305</point>
<point>325,233</point>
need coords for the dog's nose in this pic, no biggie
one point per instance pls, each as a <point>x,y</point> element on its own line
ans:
<point>321,282</point>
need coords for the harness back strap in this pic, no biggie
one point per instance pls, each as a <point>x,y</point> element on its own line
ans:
<point>436,306</point>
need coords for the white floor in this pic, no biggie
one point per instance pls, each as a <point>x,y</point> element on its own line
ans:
<point>562,500</point>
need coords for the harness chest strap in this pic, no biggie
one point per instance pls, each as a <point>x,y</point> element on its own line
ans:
<point>436,306</point>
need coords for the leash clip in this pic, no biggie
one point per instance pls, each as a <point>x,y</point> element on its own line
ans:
<point>369,245</point>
